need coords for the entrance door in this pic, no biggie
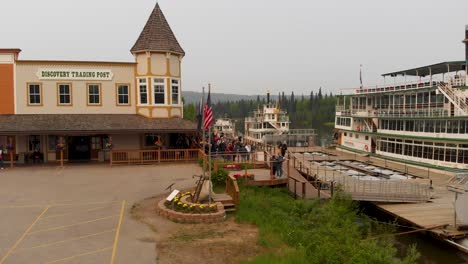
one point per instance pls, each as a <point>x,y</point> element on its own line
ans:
<point>79,148</point>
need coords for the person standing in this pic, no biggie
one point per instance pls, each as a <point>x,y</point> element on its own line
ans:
<point>284,147</point>
<point>1,158</point>
<point>279,167</point>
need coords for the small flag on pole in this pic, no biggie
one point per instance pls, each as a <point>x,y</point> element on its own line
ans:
<point>208,111</point>
<point>199,115</point>
<point>360,75</point>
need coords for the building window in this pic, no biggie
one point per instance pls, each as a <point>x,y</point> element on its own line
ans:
<point>64,94</point>
<point>94,94</point>
<point>123,94</point>
<point>34,143</point>
<point>150,140</point>
<point>143,91</point>
<point>175,91</point>
<point>96,143</point>
<point>159,88</point>
<point>34,91</point>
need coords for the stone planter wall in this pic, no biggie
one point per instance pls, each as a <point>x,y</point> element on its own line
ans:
<point>175,216</point>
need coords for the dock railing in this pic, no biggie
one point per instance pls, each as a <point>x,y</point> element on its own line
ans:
<point>366,190</point>
<point>152,156</point>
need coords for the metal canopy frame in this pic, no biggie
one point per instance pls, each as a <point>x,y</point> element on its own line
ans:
<point>443,67</point>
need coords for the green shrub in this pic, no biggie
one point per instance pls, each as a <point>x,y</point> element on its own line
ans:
<point>316,232</point>
<point>244,165</point>
<point>219,178</point>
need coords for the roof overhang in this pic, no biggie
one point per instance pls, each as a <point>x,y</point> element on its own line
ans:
<point>64,124</point>
<point>443,67</point>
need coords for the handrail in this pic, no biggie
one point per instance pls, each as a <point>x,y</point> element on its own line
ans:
<point>234,191</point>
<point>152,156</point>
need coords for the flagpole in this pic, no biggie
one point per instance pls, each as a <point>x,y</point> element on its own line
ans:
<point>209,155</point>
<point>203,129</point>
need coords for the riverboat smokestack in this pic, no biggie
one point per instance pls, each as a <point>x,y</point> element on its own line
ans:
<point>268,97</point>
<point>466,42</point>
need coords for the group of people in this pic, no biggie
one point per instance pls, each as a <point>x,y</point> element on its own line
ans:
<point>277,160</point>
<point>230,149</point>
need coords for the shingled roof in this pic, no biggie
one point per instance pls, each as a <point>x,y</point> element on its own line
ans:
<point>91,123</point>
<point>157,35</point>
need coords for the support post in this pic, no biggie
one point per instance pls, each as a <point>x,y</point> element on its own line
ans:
<point>61,158</point>
<point>303,190</point>
<point>11,158</point>
<point>318,188</point>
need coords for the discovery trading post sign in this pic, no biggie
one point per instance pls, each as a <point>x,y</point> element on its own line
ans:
<point>75,74</point>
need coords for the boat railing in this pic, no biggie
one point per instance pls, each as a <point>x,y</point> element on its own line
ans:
<point>454,81</point>
<point>438,112</point>
<point>392,88</point>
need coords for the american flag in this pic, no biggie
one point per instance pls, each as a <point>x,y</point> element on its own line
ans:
<point>208,112</point>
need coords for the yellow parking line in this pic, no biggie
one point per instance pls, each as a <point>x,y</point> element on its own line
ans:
<point>54,205</point>
<point>23,236</point>
<point>74,224</point>
<point>79,255</point>
<point>84,211</point>
<point>21,206</point>
<point>66,240</point>
<point>116,239</point>
<point>71,204</point>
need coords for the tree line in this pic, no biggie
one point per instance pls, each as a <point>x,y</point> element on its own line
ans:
<point>315,110</point>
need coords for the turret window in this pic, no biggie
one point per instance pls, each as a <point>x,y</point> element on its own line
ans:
<point>159,91</point>
<point>143,89</point>
<point>175,91</point>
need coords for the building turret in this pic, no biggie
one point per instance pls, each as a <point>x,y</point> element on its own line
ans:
<point>158,71</point>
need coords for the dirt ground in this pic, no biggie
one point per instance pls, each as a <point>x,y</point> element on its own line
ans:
<point>226,242</point>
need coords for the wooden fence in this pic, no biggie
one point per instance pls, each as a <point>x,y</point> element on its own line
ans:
<point>152,156</point>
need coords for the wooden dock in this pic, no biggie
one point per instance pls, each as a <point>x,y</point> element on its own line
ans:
<point>437,212</point>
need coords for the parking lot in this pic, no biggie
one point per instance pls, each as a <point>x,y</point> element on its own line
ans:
<point>80,214</point>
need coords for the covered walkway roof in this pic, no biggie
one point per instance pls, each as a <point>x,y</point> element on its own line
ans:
<point>91,123</point>
<point>443,67</point>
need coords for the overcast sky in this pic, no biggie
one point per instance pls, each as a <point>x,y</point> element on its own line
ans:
<point>249,46</point>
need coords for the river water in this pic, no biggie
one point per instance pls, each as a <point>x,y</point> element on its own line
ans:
<point>432,250</point>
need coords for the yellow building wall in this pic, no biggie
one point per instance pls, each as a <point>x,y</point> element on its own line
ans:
<point>158,64</point>
<point>26,73</point>
<point>142,64</point>
<point>174,66</point>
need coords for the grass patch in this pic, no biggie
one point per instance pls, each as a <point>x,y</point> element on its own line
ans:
<point>298,231</point>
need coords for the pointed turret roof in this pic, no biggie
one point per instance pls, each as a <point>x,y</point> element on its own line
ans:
<point>157,35</point>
